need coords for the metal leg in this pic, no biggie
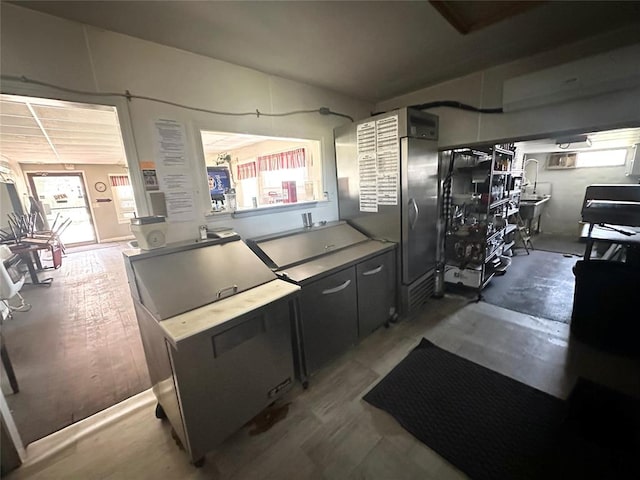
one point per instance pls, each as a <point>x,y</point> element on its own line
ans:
<point>589,247</point>
<point>32,263</point>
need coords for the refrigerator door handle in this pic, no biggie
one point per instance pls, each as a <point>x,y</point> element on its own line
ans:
<point>378,269</point>
<point>329,291</point>
<point>412,202</point>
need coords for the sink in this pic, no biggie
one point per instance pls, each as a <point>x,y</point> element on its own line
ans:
<point>534,198</point>
<point>531,206</point>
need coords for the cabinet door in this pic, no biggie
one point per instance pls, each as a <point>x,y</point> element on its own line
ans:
<point>376,292</point>
<point>226,378</point>
<point>329,318</point>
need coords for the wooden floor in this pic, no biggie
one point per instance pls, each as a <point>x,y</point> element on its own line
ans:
<point>330,432</point>
<point>78,350</point>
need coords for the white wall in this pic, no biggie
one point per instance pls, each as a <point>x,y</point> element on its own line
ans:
<point>77,56</point>
<point>561,214</point>
<point>484,89</point>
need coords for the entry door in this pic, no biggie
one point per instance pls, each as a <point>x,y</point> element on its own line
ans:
<point>63,197</point>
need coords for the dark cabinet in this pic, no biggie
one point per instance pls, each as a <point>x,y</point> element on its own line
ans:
<point>376,292</point>
<point>329,312</point>
<point>348,287</point>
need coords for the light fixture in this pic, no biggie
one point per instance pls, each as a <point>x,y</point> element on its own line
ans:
<point>577,141</point>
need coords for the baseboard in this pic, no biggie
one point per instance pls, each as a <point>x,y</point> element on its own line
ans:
<point>117,239</point>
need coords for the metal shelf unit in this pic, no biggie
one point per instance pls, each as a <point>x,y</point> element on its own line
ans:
<point>478,196</point>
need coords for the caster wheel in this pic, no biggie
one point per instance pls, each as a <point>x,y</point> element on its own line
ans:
<point>160,413</point>
<point>305,384</point>
<point>199,463</point>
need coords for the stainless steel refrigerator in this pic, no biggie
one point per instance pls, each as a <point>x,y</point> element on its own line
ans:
<point>388,187</point>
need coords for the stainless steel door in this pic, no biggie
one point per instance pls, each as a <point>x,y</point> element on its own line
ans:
<point>419,171</point>
<point>329,318</point>
<point>376,292</point>
<point>383,224</point>
<point>227,378</point>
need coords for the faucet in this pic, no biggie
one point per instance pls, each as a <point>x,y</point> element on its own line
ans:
<point>535,182</point>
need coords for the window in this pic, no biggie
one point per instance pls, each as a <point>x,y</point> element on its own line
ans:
<point>602,158</point>
<point>123,197</point>
<point>263,171</point>
<point>562,160</point>
<point>597,158</point>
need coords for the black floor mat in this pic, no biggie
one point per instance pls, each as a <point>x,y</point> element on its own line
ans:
<point>491,426</point>
<point>540,284</point>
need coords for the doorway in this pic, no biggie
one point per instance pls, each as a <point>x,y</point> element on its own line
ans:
<point>77,351</point>
<point>63,200</point>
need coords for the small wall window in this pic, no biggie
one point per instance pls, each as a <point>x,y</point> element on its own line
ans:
<point>602,158</point>
<point>261,171</point>
<point>562,160</point>
<point>123,197</point>
<point>596,158</point>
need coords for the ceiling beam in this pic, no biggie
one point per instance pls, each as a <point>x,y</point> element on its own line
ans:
<point>44,132</point>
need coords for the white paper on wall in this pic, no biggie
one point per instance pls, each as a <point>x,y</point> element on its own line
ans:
<point>174,177</point>
<point>170,143</point>
<point>178,194</point>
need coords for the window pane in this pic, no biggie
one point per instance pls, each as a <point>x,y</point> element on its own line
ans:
<point>601,158</point>
<point>123,197</point>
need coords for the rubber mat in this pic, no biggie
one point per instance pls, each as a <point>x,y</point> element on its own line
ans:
<point>486,424</point>
<point>540,284</point>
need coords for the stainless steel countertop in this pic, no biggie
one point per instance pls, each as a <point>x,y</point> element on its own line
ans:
<point>329,263</point>
<point>215,315</point>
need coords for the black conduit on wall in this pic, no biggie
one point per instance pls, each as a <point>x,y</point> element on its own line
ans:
<point>451,104</point>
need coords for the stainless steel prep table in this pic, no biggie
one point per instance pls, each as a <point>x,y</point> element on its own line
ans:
<point>348,286</point>
<point>216,328</point>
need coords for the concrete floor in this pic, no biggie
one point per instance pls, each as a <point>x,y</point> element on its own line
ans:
<point>549,242</point>
<point>330,432</point>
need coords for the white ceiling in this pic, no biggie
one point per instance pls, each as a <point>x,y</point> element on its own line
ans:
<point>373,50</point>
<point>51,131</point>
<point>220,142</point>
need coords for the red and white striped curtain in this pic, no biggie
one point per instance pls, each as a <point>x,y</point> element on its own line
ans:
<point>247,170</point>
<point>277,161</point>
<point>119,180</point>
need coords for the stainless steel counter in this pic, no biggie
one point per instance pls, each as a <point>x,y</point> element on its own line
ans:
<point>348,286</point>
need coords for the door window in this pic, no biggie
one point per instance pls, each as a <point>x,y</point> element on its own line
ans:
<point>63,197</point>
